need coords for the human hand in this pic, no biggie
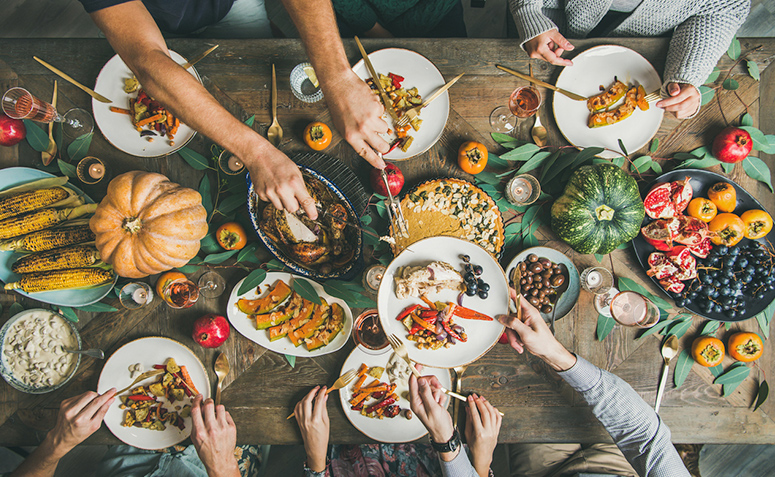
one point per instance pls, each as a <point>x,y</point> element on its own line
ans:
<point>357,115</point>
<point>78,418</point>
<point>428,402</point>
<point>549,46</point>
<point>312,416</point>
<point>378,31</point>
<point>483,424</point>
<point>214,437</point>
<point>278,180</point>
<point>533,334</point>
<point>684,100</point>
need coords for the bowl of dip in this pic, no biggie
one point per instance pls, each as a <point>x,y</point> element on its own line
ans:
<point>32,356</point>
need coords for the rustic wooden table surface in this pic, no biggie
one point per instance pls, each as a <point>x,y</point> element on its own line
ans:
<point>263,388</point>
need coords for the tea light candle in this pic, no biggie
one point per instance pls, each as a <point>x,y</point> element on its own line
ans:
<point>96,171</point>
<point>140,295</point>
<point>373,276</point>
<point>594,278</point>
<point>235,164</point>
<point>518,190</point>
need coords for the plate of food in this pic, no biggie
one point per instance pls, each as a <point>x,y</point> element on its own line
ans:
<point>55,243</point>
<point>611,74</point>
<point>32,347</point>
<point>707,243</point>
<point>329,247</point>
<point>134,122</point>
<point>154,413</point>
<point>408,77</point>
<point>451,207</point>
<point>278,318</point>
<point>441,297</point>
<point>376,402</point>
<point>543,265</point>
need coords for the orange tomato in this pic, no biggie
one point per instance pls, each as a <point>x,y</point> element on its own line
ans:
<point>758,223</point>
<point>727,229</point>
<point>472,157</point>
<point>165,278</point>
<point>702,208</point>
<point>317,136</point>
<point>708,351</point>
<point>724,196</point>
<point>745,347</point>
<point>231,236</point>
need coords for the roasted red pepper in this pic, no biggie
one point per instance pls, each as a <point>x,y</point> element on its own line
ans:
<point>415,329</point>
<point>140,397</point>
<point>409,309</point>
<point>396,79</point>
<point>447,312</point>
<point>428,302</point>
<point>452,332</point>
<point>159,366</point>
<point>425,314</point>
<point>385,402</point>
<point>470,314</point>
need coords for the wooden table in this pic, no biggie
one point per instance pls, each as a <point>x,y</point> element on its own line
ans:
<point>261,390</point>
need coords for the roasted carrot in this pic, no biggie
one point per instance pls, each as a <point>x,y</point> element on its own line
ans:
<point>170,120</point>
<point>428,302</point>
<point>359,399</point>
<point>362,370</point>
<point>375,389</point>
<point>423,323</point>
<point>359,383</point>
<point>150,120</point>
<point>120,110</point>
<point>188,380</point>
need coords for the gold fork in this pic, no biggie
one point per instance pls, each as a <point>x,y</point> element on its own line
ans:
<point>142,377</point>
<point>343,381</point>
<point>400,349</point>
<point>653,96</point>
<point>412,113</point>
<point>458,387</point>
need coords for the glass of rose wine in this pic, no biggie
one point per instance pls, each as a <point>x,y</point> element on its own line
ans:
<point>523,103</point>
<point>630,308</point>
<point>18,103</point>
<point>180,293</point>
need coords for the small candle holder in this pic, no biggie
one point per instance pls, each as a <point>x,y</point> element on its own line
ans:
<point>372,277</point>
<point>302,86</point>
<point>91,170</point>
<point>230,164</point>
<point>135,295</point>
<point>522,190</point>
<point>596,280</point>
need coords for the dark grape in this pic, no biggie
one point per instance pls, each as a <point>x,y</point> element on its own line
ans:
<point>478,270</point>
<point>721,249</point>
<point>470,291</point>
<point>733,251</point>
<point>469,277</point>
<point>482,294</point>
<point>465,258</point>
<point>485,287</point>
<point>707,280</point>
<point>680,302</point>
<point>732,313</point>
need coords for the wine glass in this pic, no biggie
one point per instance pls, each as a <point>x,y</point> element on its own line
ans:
<point>630,308</point>
<point>18,103</point>
<point>523,103</point>
<point>211,284</point>
<point>180,293</point>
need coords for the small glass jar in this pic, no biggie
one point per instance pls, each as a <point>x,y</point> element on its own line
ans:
<point>135,295</point>
<point>91,170</point>
<point>302,86</point>
<point>372,277</point>
<point>230,164</point>
<point>368,333</point>
<point>522,190</point>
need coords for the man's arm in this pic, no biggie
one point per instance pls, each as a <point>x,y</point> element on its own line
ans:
<point>539,36</point>
<point>356,111</point>
<point>133,34</point>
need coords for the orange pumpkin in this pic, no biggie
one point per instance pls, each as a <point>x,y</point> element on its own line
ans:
<point>147,224</point>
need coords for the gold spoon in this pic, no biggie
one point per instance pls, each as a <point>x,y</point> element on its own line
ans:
<point>669,350</point>
<point>50,152</point>
<point>275,133</point>
<point>538,132</point>
<point>221,370</point>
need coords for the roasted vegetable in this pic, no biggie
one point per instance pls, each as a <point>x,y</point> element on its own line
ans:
<point>607,98</point>
<point>40,219</point>
<point>61,280</point>
<point>31,200</point>
<point>635,99</point>
<point>75,256</point>
<point>50,239</point>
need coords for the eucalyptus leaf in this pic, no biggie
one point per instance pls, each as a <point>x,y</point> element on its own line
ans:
<point>642,164</point>
<point>710,328</point>
<point>495,160</point>
<point>188,268</point>
<point>249,122</point>
<point>489,177</point>
<point>761,394</point>
<point>36,137</point>
<point>654,145</point>
<point>622,148</point>
<point>685,156</point>
<point>233,202</point>
<point>679,328</point>
<point>207,196</point>
<point>656,167</point>
<point>769,148</point>
<point>734,49</point>
<point>599,258</point>
<point>701,152</point>
<point>247,254</point>
<point>589,152</point>
<point>1,309</point>
<point>513,228</point>
<point>97,307</point>
<point>530,241</point>
<point>713,76</point>
<point>291,360</point>
<point>682,367</point>
<point>78,149</point>
<point>706,95</point>
<point>757,169</point>
<point>656,328</point>
<point>547,166</point>
<point>759,139</point>
<point>528,218</point>
<point>629,284</point>
<point>716,370</point>
<point>534,162</point>
<point>728,167</point>
<point>216,258</point>
<point>15,308</point>
<point>67,169</point>
<point>604,326</point>
<point>753,69</point>
<point>68,313</point>
<point>699,163</point>
<point>618,161</point>
<point>746,120</point>
<point>501,138</point>
<point>730,84</point>
<point>194,159</point>
<point>736,374</point>
<point>254,279</point>
<point>522,153</point>
<point>764,324</point>
<point>306,290</point>
<point>563,163</point>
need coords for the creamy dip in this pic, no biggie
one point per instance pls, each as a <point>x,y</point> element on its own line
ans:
<point>398,370</point>
<point>34,349</point>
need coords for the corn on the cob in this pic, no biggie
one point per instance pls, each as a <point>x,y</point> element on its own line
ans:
<point>31,200</point>
<point>40,219</point>
<point>61,280</point>
<point>50,239</point>
<point>76,256</point>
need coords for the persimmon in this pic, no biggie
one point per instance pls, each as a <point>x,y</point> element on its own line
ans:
<point>758,223</point>
<point>726,229</point>
<point>472,157</point>
<point>231,236</point>
<point>745,346</point>
<point>708,351</point>
<point>165,278</point>
<point>317,136</point>
<point>702,208</point>
<point>724,196</point>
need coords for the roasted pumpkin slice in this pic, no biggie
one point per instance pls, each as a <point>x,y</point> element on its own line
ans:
<point>281,315</point>
<point>640,99</point>
<point>607,98</point>
<point>319,317</point>
<point>326,333</point>
<point>606,118</point>
<point>267,304</point>
<point>297,321</point>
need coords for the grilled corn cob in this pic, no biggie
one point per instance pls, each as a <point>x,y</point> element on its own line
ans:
<point>50,238</point>
<point>31,200</point>
<point>61,280</point>
<point>40,219</point>
<point>76,256</point>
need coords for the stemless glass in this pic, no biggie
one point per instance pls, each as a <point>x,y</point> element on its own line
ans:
<point>18,103</point>
<point>630,308</point>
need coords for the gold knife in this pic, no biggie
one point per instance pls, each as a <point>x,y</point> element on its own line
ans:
<point>189,64</point>
<point>573,96</point>
<point>375,78</point>
<point>64,76</point>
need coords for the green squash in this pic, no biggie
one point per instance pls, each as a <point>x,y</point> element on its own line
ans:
<point>599,209</point>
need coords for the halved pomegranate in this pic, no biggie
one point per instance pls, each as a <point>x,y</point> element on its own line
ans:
<point>692,231</point>
<point>687,265</point>
<point>702,249</point>
<point>659,202</point>
<point>658,235</point>
<point>656,258</point>
<point>663,270</point>
<point>672,284</point>
<point>681,194</point>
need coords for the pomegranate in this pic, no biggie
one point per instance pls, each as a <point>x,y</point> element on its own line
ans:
<point>656,258</point>
<point>504,339</point>
<point>395,179</point>
<point>732,145</point>
<point>658,235</point>
<point>672,284</point>
<point>681,194</point>
<point>211,330</point>
<point>659,203</point>
<point>692,231</point>
<point>663,269</point>
<point>682,257</point>
<point>12,131</point>
<point>702,249</point>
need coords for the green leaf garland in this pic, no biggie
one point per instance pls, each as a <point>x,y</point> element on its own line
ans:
<point>194,159</point>
<point>734,49</point>
<point>710,328</point>
<point>67,169</point>
<point>757,169</point>
<point>732,378</point>
<point>753,69</point>
<point>97,307</point>
<point>216,258</point>
<point>207,196</point>
<point>68,313</point>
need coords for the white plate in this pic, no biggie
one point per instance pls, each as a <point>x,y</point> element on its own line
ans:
<point>148,352</point>
<point>420,73</point>
<point>598,66</point>
<point>389,430</point>
<point>247,327</point>
<point>482,335</point>
<point>15,176</point>
<point>117,128</point>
